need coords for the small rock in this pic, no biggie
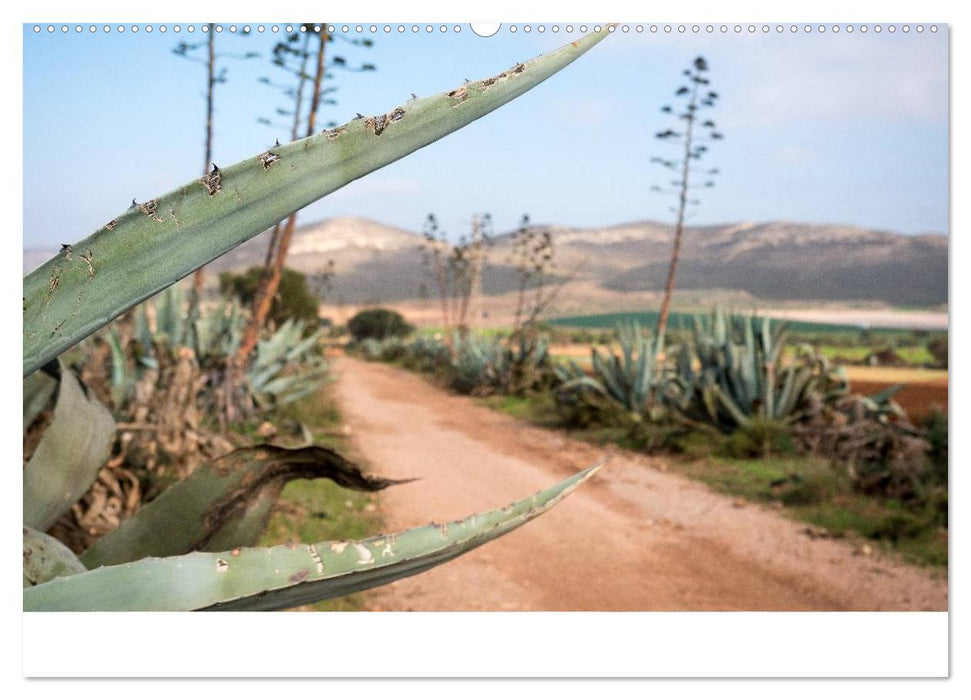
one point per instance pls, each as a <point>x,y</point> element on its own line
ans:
<point>266,430</point>
<point>738,503</point>
<point>815,533</point>
<point>866,550</point>
<point>370,508</point>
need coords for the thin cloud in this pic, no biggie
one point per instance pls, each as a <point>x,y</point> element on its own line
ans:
<point>848,80</point>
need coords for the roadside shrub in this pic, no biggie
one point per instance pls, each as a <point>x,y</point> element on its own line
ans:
<point>293,299</point>
<point>526,366</point>
<point>813,482</point>
<point>698,444</point>
<point>758,438</point>
<point>426,354</point>
<point>871,439</point>
<point>378,324</point>
<point>392,349</point>
<point>369,349</point>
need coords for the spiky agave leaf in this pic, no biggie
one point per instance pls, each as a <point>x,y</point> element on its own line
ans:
<point>157,242</point>
<point>46,558</point>
<point>224,504</point>
<point>288,575</point>
<point>66,461</point>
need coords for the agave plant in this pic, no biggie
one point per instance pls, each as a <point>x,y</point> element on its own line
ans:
<point>386,350</point>
<point>427,354</point>
<point>734,374</point>
<point>526,363</point>
<point>482,365</point>
<point>628,380</point>
<point>287,366</point>
<point>188,550</point>
<point>284,367</point>
<point>477,363</point>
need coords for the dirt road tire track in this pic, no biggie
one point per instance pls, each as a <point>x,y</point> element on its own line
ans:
<point>634,538</point>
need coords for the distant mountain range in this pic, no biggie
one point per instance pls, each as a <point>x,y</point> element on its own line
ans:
<point>772,261</point>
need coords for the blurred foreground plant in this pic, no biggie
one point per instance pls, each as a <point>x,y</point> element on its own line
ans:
<point>187,550</point>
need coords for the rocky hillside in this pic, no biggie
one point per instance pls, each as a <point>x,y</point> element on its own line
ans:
<point>772,261</point>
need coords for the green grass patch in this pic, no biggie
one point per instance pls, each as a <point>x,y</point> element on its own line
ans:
<point>911,354</point>
<point>522,407</point>
<point>439,331</point>
<point>804,488</point>
<point>912,534</point>
<point>789,480</point>
<point>915,355</point>
<point>812,491</point>
<point>538,409</point>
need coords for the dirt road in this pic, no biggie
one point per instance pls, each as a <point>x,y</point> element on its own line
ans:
<point>634,538</point>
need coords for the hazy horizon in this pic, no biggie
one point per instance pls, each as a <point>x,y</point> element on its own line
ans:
<point>417,229</point>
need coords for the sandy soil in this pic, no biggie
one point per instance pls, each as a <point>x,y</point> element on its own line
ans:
<point>634,538</point>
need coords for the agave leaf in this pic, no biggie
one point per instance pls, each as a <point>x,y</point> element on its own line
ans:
<point>288,575</point>
<point>121,379</point>
<point>729,405</point>
<point>39,389</point>
<point>284,389</point>
<point>223,505</point>
<point>804,379</point>
<point>590,383</point>
<point>142,332</point>
<point>886,394</point>
<point>66,461</point>
<point>151,245</point>
<point>605,369</point>
<point>788,397</point>
<point>46,558</point>
<point>302,347</point>
<point>275,347</point>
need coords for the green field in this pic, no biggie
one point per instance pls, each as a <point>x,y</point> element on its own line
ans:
<point>678,320</point>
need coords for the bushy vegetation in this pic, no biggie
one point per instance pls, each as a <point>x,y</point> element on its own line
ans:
<point>378,324</point>
<point>728,387</point>
<point>293,300</point>
<point>844,344</point>
<point>161,373</point>
<point>191,547</point>
<point>473,364</point>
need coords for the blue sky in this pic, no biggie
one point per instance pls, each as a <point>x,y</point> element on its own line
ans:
<point>820,128</point>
